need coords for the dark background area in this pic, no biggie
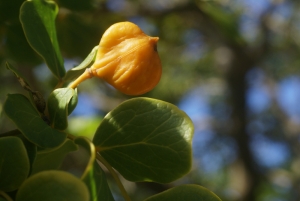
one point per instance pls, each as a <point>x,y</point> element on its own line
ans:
<point>231,65</point>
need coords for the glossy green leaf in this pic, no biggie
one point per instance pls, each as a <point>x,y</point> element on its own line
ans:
<point>75,72</point>
<point>14,163</point>
<point>38,21</point>
<point>58,105</point>
<point>187,192</point>
<point>52,159</point>
<point>19,109</point>
<point>146,140</point>
<point>53,185</point>
<point>93,176</point>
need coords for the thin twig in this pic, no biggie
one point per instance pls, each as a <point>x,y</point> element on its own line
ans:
<point>115,176</point>
<point>3,194</point>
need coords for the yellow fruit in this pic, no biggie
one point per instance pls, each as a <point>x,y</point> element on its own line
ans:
<point>127,59</point>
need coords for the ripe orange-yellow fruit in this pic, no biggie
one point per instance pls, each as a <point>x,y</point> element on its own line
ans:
<point>127,59</point>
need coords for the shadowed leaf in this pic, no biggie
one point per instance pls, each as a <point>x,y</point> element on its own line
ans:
<point>53,185</point>
<point>38,21</point>
<point>14,163</point>
<point>19,109</point>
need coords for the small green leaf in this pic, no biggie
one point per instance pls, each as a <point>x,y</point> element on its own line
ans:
<point>19,109</point>
<point>18,74</point>
<point>52,159</point>
<point>187,192</point>
<point>53,185</point>
<point>38,21</point>
<point>93,176</point>
<point>14,163</point>
<point>146,140</point>
<point>58,105</point>
<point>75,72</point>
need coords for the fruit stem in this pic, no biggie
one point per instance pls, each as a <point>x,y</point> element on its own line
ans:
<point>84,76</point>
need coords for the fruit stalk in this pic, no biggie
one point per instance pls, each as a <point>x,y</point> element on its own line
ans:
<point>87,74</point>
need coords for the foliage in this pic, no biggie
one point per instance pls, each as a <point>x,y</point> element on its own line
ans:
<point>144,139</point>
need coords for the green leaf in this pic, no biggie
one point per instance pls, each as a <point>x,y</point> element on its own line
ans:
<point>14,163</point>
<point>18,74</point>
<point>75,72</point>
<point>53,185</point>
<point>35,96</point>
<point>30,148</point>
<point>52,159</point>
<point>38,21</point>
<point>93,176</point>
<point>187,192</point>
<point>19,109</point>
<point>146,140</point>
<point>58,105</point>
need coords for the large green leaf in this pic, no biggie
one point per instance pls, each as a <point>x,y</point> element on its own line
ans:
<point>19,109</point>
<point>146,140</point>
<point>187,192</point>
<point>53,158</point>
<point>58,105</point>
<point>38,21</point>
<point>14,163</point>
<point>53,185</point>
<point>93,176</point>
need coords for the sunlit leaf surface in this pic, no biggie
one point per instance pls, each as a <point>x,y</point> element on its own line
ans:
<point>146,140</point>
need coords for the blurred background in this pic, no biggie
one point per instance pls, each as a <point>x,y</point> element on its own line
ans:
<point>231,65</point>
